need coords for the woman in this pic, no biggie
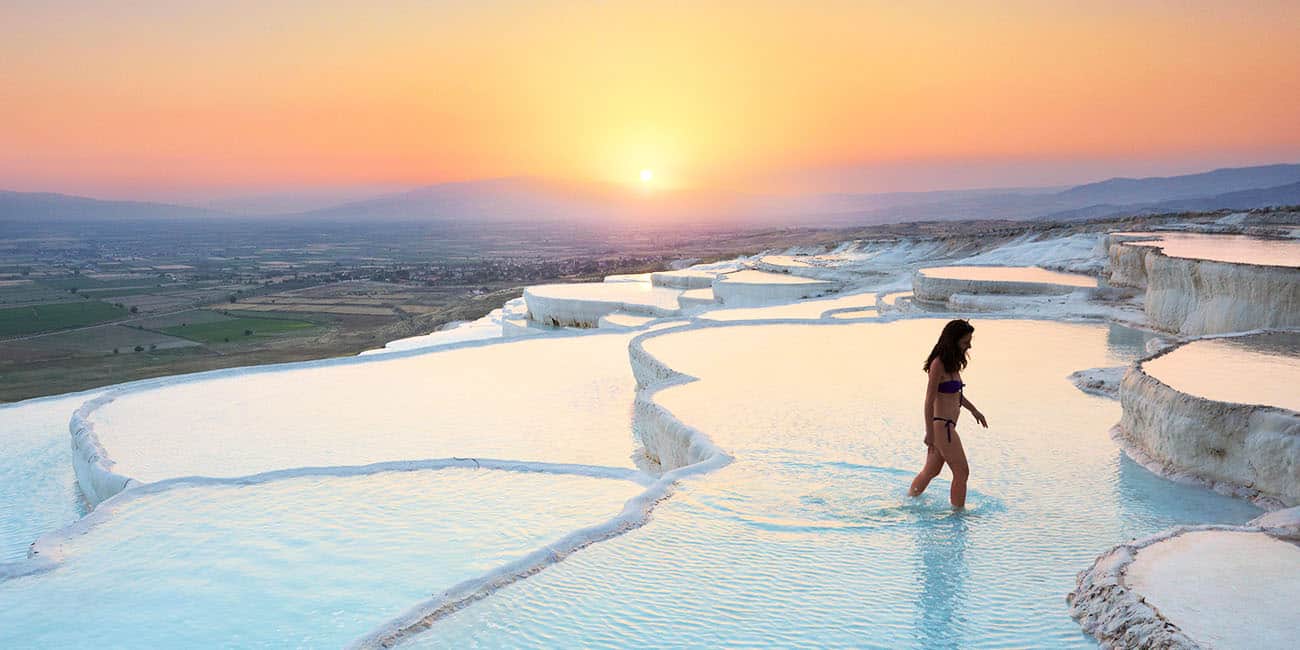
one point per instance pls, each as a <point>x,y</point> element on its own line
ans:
<point>943,403</point>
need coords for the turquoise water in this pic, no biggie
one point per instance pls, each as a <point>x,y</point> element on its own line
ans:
<point>565,400</point>
<point>1257,369</point>
<point>37,486</point>
<point>806,539</point>
<point>300,562</point>
<point>809,539</point>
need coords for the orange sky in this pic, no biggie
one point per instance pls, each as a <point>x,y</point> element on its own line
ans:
<point>163,99</point>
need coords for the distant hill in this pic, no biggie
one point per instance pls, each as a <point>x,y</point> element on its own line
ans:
<point>508,200</point>
<point>37,206</point>
<point>1120,191</point>
<point>1241,187</point>
<point>1288,194</point>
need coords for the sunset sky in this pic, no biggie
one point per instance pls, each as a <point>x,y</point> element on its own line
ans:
<point>163,100</point>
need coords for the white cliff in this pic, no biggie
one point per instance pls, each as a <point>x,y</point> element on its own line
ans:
<point>1199,295</point>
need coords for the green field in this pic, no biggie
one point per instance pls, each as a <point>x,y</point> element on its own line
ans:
<point>234,328</point>
<point>80,282</point>
<point>47,318</point>
<point>113,293</point>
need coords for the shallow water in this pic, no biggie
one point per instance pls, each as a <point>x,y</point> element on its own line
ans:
<point>300,562</point>
<point>806,539</point>
<point>37,486</point>
<point>513,400</point>
<point>1010,274</point>
<point>1227,248</point>
<point>809,539</point>
<point>1258,369</point>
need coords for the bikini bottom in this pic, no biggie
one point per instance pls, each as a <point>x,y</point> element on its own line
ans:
<point>950,425</point>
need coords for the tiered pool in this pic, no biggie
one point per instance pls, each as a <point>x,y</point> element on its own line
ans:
<point>809,539</point>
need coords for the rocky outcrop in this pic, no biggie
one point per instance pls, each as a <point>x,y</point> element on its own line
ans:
<point>1099,381</point>
<point>1126,262</point>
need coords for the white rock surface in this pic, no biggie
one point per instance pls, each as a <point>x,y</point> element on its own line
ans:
<point>1223,589</point>
<point>1193,587</point>
<point>695,298</point>
<point>1203,296</point>
<point>1251,450</point>
<point>750,288</point>
<point>683,279</point>
<point>624,321</point>
<point>1286,521</point>
<point>803,309</point>
<point>582,305</point>
<point>938,284</point>
<point>1099,381</point>
<point>1195,297</point>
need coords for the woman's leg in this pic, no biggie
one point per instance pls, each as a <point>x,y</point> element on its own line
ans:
<point>933,463</point>
<point>955,456</point>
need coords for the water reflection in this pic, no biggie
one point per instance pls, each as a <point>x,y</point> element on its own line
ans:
<point>941,551</point>
<point>1147,500</point>
<point>1227,248</point>
<point>1257,369</point>
<point>1128,342</point>
<point>550,399</point>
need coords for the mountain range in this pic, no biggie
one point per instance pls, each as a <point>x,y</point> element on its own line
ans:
<point>535,200</point>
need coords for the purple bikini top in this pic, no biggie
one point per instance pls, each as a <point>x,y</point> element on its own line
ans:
<point>951,386</point>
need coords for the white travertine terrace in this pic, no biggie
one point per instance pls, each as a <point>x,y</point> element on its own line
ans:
<point>1210,284</point>
<point>787,261</point>
<point>750,288</point>
<point>248,421</point>
<point>804,309</point>
<point>697,298</point>
<point>516,327</point>
<point>1187,577</point>
<point>938,284</point>
<point>801,265</point>
<point>1193,587</point>
<point>1250,449</point>
<point>683,279</point>
<point>623,321</point>
<point>582,305</point>
<point>669,444</point>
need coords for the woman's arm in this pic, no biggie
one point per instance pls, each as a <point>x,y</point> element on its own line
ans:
<point>931,388</point>
<point>979,417</point>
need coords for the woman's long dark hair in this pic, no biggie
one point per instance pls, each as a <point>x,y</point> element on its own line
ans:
<point>946,350</point>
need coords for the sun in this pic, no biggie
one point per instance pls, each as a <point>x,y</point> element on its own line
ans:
<point>647,175</point>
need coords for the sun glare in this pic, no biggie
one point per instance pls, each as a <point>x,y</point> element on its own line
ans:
<point>647,175</point>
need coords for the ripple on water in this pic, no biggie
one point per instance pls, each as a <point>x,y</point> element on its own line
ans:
<point>808,540</point>
<point>299,562</point>
<point>806,495</point>
<point>37,487</point>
